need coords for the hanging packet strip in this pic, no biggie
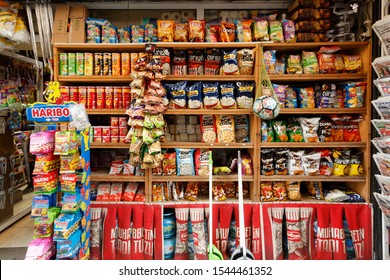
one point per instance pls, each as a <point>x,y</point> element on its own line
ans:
<point>181,248</point>
<point>109,213</point>
<point>95,232</point>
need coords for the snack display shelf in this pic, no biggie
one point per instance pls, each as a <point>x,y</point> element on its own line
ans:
<point>316,77</point>
<point>95,79</point>
<point>117,202</point>
<point>208,112</point>
<point>323,111</point>
<point>314,46</point>
<point>301,178</point>
<point>308,200</point>
<point>313,144</point>
<point>216,178</point>
<point>106,111</point>
<point>98,145</point>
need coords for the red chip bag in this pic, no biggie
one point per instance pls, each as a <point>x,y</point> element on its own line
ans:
<point>323,238</point>
<point>109,231</point>
<point>158,239</point>
<point>137,240</point>
<point>196,30</point>
<point>181,249</point>
<point>148,232</point>
<point>351,132</point>
<point>198,232</point>
<point>95,233</point>
<point>296,250</point>
<point>124,232</point>
<point>359,218</point>
<point>338,236</point>
<point>140,196</point>
<point>130,191</point>
<point>225,216</point>
<point>214,33</point>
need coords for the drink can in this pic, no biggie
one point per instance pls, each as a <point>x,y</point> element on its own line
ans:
<point>116,64</point>
<point>100,97</point>
<point>125,57</point>
<point>80,64</point>
<point>65,93</point>
<point>71,64</point>
<point>88,64</point>
<point>74,93</point>
<point>83,95</point>
<point>98,64</point>
<point>107,64</point>
<point>91,101</point>
<point>117,98</point>
<point>63,64</point>
<point>109,97</point>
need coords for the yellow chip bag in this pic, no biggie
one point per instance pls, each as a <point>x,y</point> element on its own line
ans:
<point>353,63</point>
<point>165,30</point>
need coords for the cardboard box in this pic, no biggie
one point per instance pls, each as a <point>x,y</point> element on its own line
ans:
<point>69,24</point>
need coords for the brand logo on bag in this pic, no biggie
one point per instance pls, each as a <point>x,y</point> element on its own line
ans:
<point>44,113</point>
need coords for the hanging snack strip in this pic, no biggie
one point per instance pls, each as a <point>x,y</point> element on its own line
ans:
<point>146,119</point>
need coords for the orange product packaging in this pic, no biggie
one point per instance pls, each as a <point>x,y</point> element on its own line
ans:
<point>109,102</point>
<point>88,64</point>
<point>65,93</point>
<point>74,94</point>
<point>116,64</point>
<point>125,63</point>
<point>100,97</point>
<point>181,32</point>
<point>133,60</point>
<point>117,98</point>
<point>165,30</point>
<point>196,30</point>
<point>126,97</point>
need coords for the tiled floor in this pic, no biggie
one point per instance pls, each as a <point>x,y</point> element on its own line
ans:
<point>19,234</point>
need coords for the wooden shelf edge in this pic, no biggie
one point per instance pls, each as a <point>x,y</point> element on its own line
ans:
<point>95,79</point>
<point>99,145</point>
<point>313,145</point>
<point>316,77</point>
<point>210,78</point>
<point>217,178</point>
<point>207,145</point>
<point>106,112</point>
<point>323,111</point>
<point>313,178</point>
<point>208,112</point>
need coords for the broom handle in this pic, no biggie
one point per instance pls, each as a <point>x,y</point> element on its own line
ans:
<point>241,207</point>
<point>210,202</point>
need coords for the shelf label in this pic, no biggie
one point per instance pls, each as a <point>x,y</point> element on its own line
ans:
<point>47,113</point>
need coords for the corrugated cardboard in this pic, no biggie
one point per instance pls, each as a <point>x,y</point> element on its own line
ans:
<point>69,24</point>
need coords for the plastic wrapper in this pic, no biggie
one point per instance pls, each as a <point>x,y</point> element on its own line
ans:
<point>191,191</point>
<point>276,31</point>
<point>309,129</point>
<point>266,191</point>
<point>267,162</point>
<point>293,191</point>
<point>179,62</point>
<point>245,94</point>
<point>228,100</point>
<point>295,163</point>
<point>326,96</point>
<point>327,63</point>
<point>260,30</point>
<point>291,98</point>
<point>353,63</point>
<point>227,32</point>
<point>326,163</point>
<point>230,62</point>
<point>218,192</point>
<point>311,164</point>
<point>130,191</point>
<point>196,30</point>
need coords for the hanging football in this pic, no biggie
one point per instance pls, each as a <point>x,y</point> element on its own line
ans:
<point>266,107</point>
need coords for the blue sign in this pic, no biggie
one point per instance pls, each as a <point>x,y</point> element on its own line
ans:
<point>48,113</point>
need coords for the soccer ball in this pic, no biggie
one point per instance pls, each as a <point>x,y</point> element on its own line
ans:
<point>266,107</point>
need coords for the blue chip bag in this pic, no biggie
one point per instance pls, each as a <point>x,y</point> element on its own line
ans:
<point>228,100</point>
<point>194,95</point>
<point>211,99</point>
<point>291,98</point>
<point>179,95</point>
<point>185,162</point>
<point>245,94</point>
<point>230,62</point>
<point>68,249</point>
<point>270,61</point>
<point>354,94</point>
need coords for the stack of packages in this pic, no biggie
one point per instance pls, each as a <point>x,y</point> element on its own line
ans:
<point>312,19</point>
<point>146,112</point>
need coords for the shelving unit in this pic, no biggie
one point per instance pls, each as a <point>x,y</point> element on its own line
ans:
<point>357,183</point>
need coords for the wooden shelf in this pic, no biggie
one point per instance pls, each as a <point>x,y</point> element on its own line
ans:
<point>203,200</point>
<point>299,46</point>
<point>207,145</point>
<point>210,78</point>
<point>323,145</point>
<point>102,176</point>
<point>316,77</point>
<point>323,111</point>
<point>216,178</point>
<point>359,179</point>
<point>208,112</point>
<point>122,47</point>
<point>95,145</point>
<point>95,79</point>
<point>106,111</point>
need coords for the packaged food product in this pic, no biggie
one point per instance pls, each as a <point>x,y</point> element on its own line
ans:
<point>211,96</point>
<point>241,128</point>
<point>309,129</point>
<point>294,64</point>
<point>230,62</point>
<point>227,32</point>
<point>185,162</point>
<point>267,132</point>
<point>289,31</point>
<point>266,192</point>
<point>327,63</point>
<point>245,94</point>
<point>180,32</point>
<point>225,128</point>
<point>194,95</point>
<point>208,128</point>
<point>191,191</point>
<point>325,129</point>
<point>293,191</point>
<point>295,163</point>
<point>309,62</point>
<point>281,160</point>
<point>311,164</point>
<point>196,31</point>
<point>354,94</point>
<point>196,62</point>
<point>228,100</point>
<point>260,30</point>
<point>213,62</point>
<point>213,31</point>
<point>326,163</point>
<point>280,91</point>
<point>341,162</point>
<point>306,97</point>
<point>267,162</point>
<point>279,191</point>
<point>315,190</point>
<point>291,98</point>
<point>294,130</point>
<point>353,63</point>
<point>280,130</point>
<point>179,62</point>
<point>178,95</point>
<point>276,31</point>
<point>202,158</point>
<point>245,58</point>
<point>356,164</point>
<point>165,59</point>
<point>351,131</point>
<point>269,58</point>
<point>165,29</point>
